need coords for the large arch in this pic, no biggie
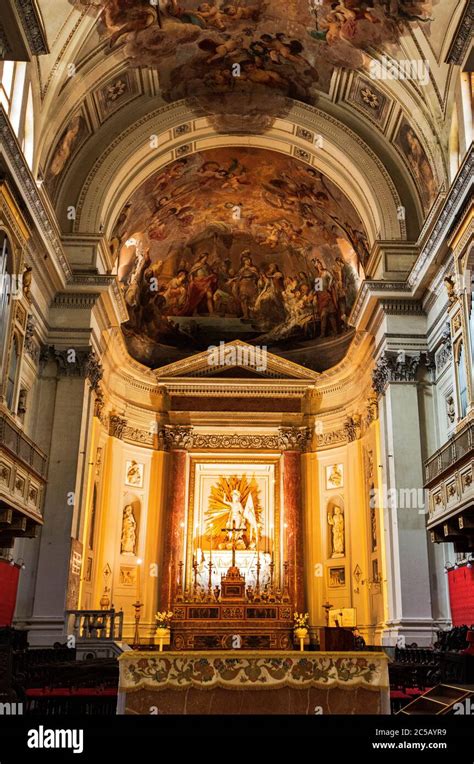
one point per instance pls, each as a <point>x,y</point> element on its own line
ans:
<point>129,161</point>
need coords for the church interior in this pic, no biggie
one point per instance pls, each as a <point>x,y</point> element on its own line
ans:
<point>237,356</point>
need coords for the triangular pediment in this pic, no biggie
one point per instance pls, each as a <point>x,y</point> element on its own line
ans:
<point>236,360</point>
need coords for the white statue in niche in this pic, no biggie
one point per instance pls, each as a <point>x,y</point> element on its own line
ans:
<point>336,520</point>
<point>235,522</point>
<point>129,531</point>
<point>240,520</point>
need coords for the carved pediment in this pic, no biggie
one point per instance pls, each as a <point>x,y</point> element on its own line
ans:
<point>236,360</point>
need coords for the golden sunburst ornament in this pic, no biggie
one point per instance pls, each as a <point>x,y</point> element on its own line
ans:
<point>234,510</point>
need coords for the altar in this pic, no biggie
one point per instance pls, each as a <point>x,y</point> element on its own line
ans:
<point>234,570</point>
<point>233,586</point>
<point>251,682</point>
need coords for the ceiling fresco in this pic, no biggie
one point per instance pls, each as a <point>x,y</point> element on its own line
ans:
<point>239,243</point>
<point>240,62</point>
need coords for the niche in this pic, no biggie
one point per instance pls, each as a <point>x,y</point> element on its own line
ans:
<point>130,531</point>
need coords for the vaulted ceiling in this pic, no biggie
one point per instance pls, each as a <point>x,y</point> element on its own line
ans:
<point>119,71</point>
<point>157,121</point>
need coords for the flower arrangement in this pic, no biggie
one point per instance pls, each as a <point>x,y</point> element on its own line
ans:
<point>163,619</point>
<point>301,620</point>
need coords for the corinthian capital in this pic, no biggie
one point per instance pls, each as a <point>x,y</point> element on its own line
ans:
<point>353,427</point>
<point>294,438</point>
<point>395,367</point>
<point>94,370</point>
<point>178,437</point>
<point>71,362</point>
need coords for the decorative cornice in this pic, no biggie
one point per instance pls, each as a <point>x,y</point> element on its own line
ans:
<point>136,435</point>
<point>457,194</point>
<point>32,26</point>
<point>183,437</point>
<point>12,217</point>
<point>117,426</point>
<point>92,279</point>
<point>244,388</point>
<point>463,36</point>
<point>369,286</point>
<point>75,300</point>
<point>402,307</point>
<point>237,441</point>
<point>23,175</point>
<point>332,438</point>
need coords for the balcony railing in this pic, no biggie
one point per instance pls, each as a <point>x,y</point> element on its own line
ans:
<point>21,447</point>
<point>452,452</point>
<point>95,624</point>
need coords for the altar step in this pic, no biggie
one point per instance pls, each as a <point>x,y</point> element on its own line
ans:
<point>441,700</point>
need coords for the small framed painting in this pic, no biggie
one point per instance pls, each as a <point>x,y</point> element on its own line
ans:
<point>337,576</point>
<point>134,474</point>
<point>127,575</point>
<point>334,476</point>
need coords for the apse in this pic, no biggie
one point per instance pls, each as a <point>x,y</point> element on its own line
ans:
<point>239,244</point>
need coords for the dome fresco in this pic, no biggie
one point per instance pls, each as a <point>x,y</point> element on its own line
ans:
<point>239,243</point>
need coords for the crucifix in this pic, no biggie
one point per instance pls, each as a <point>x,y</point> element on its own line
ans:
<point>233,532</point>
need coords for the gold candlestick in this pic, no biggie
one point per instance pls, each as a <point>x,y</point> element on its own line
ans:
<point>257,586</point>
<point>209,585</point>
<point>180,586</point>
<point>139,565</point>
<point>195,573</point>
<point>286,588</point>
<point>272,573</point>
<point>136,637</point>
